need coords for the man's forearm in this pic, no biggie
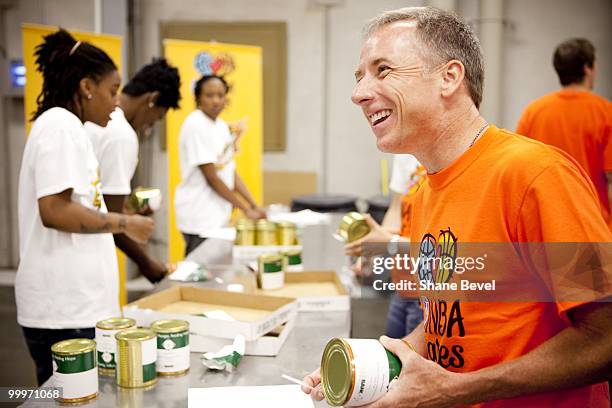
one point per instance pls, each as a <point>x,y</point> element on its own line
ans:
<point>132,249</point>
<point>221,188</point>
<point>577,356</point>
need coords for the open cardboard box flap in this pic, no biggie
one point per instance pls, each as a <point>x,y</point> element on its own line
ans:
<point>255,314</point>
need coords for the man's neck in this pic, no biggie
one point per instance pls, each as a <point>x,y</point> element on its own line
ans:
<point>451,138</point>
<point>583,86</point>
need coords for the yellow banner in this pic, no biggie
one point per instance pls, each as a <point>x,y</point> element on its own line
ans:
<point>32,35</point>
<point>241,66</point>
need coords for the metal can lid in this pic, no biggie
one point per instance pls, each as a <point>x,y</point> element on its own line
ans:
<point>245,223</point>
<point>170,326</point>
<point>146,192</point>
<point>266,225</point>
<point>353,226</point>
<point>135,335</point>
<point>337,371</point>
<point>286,224</point>
<point>270,258</point>
<point>73,347</point>
<point>116,323</point>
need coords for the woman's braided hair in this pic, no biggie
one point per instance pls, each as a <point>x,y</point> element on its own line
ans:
<point>63,63</point>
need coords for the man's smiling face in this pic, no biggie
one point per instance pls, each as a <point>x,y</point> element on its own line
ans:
<point>394,89</point>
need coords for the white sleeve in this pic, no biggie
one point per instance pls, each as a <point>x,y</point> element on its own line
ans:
<point>404,165</point>
<point>118,161</point>
<point>199,145</point>
<point>59,164</point>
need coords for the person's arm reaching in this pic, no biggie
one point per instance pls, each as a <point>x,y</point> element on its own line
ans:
<point>242,189</point>
<point>59,212</point>
<point>392,221</point>
<point>151,268</point>
<point>213,180</point>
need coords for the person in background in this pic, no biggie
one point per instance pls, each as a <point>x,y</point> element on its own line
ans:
<point>574,119</point>
<point>143,101</point>
<point>67,278</point>
<point>419,84</point>
<point>404,313</point>
<point>210,186</point>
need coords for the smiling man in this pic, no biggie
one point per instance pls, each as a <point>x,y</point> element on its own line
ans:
<point>419,85</point>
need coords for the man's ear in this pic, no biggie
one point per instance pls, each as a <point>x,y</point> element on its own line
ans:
<point>452,77</point>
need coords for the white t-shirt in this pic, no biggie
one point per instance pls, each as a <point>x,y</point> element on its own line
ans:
<point>64,280</point>
<point>404,166</point>
<point>116,148</point>
<point>198,207</point>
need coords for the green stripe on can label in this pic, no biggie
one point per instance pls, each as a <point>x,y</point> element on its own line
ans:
<point>75,364</point>
<point>106,360</point>
<point>395,365</point>
<point>149,372</point>
<point>272,267</point>
<point>294,259</point>
<point>170,341</point>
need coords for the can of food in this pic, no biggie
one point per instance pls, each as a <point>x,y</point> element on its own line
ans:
<point>286,233</point>
<point>356,372</point>
<point>293,260</point>
<point>142,197</point>
<point>74,369</point>
<point>270,271</point>
<point>265,233</point>
<point>172,346</point>
<point>245,232</point>
<point>353,226</point>
<point>106,343</point>
<point>136,358</point>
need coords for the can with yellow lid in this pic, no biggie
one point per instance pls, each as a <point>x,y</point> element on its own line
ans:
<point>270,271</point>
<point>245,232</point>
<point>353,226</point>
<point>74,369</point>
<point>172,346</point>
<point>136,358</point>
<point>265,233</point>
<point>106,343</point>
<point>356,372</point>
<point>286,233</point>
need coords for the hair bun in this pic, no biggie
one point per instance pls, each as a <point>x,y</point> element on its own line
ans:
<point>54,49</point>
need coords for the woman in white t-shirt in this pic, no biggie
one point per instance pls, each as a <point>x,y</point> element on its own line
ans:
<point>67,277</point>
<point>209,185</point>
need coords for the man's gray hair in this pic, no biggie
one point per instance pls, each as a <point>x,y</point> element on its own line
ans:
<point>446,36</point>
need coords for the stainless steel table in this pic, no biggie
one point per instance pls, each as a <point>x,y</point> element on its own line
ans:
<point>299,355</point>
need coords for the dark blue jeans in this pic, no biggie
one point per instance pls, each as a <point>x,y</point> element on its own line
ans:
<point>404,315</point>
<point>39,343</point>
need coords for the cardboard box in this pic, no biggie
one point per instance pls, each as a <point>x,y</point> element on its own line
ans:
<point>267,345</point>
<point>314,290</point>
<point>255,314</point>
<point>249,253</point>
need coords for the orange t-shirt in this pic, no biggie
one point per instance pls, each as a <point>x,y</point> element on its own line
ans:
<point>579,123</point>
<point>505,189</point>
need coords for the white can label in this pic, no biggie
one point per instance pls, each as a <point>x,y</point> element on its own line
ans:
<point>371,371</point>
<point>272,280</point>
<point>172,352</point>
<point>106,345</point>
<point>76,385</point>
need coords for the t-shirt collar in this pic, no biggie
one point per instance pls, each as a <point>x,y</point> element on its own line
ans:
<point>459,165</point>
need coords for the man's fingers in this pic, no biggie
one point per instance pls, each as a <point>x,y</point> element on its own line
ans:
<point>397,347</point>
